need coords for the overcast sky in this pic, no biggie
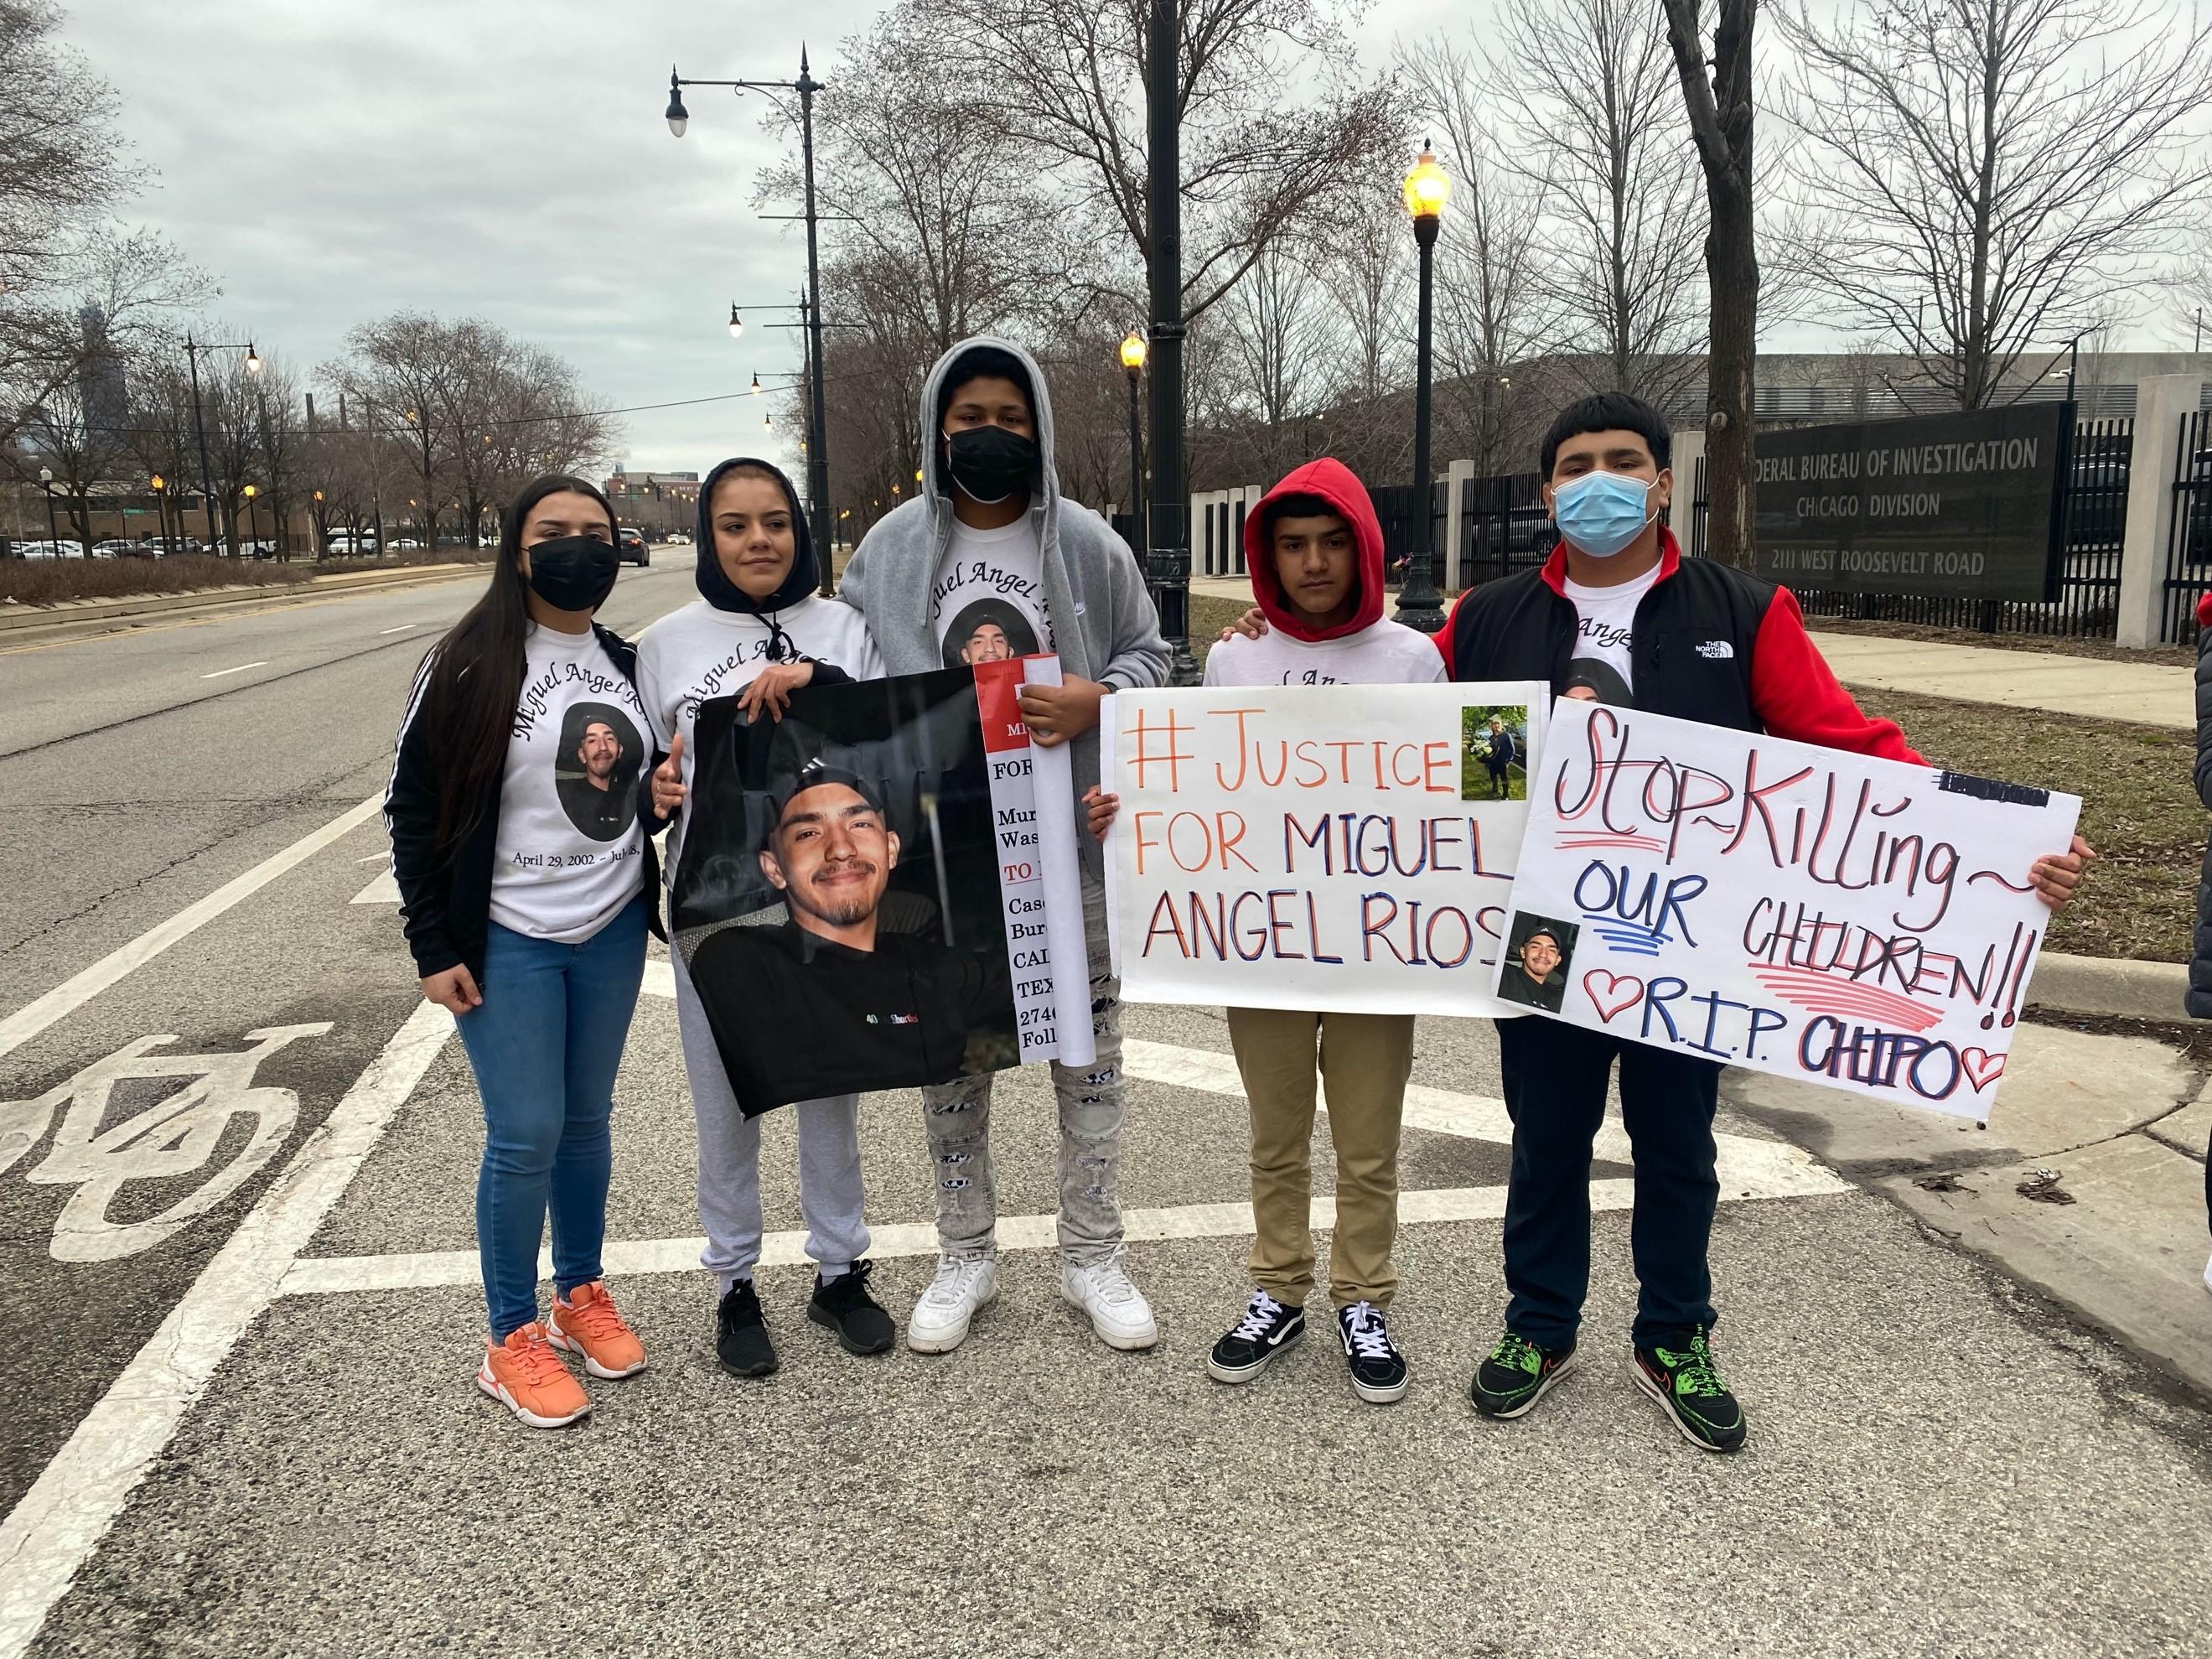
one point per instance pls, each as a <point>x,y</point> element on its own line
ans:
<point>331,160</point>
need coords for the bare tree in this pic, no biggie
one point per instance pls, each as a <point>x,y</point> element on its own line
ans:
<point>1590,112</point>
<point>61,164</point>
<point>1720,115</point>
<point>400,377</point>
<point>1276,115</point>
<point>1991,175</point>
<point>1275,351</point>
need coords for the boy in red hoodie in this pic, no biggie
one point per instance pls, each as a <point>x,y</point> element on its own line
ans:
<point>1314,552</point>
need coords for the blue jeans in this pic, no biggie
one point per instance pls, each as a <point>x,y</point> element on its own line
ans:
<point>544,1047</point>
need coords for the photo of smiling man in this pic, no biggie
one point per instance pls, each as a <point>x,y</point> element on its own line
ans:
<point>595,778</point>
<point>839,911</point>
<point>1535,973</point>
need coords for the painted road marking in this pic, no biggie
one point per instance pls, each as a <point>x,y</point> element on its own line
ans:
<point>385,890</point>
<point>175,1137</point>
<point>402,628</point>
<point>222,673</point>
<point>72,994</point>
<point>49,1535</point>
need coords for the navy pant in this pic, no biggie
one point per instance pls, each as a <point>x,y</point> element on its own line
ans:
<point>544,1047</point>
<point>1555,1079</point>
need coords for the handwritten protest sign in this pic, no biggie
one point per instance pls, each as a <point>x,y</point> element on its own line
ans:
<point>1333,847</point>
<point>1853,922</point>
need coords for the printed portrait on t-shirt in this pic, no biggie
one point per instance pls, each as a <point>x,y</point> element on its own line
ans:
<point>595,771</point>
<point>1596,681</point>
<point>989,630</point>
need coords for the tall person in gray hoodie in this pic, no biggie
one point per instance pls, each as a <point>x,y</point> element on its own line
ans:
<point>988,559</point>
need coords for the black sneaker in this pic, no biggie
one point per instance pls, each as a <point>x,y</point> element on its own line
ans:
<point>1686,1383</point>
<point>1516,1374</point>
<point>1379,1370</point>
<point>1266,1329</point>
<point>844,1306</point>
<point>741,1335</point>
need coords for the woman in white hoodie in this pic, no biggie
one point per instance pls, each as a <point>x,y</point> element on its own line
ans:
<point>758,631</point>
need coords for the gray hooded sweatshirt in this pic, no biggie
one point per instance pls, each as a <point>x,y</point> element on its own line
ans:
<point>1103,620</point>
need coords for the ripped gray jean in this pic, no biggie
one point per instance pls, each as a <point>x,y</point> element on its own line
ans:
<point>958,1119</point>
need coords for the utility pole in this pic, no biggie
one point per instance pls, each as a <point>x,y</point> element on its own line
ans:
<point>1169,535</point>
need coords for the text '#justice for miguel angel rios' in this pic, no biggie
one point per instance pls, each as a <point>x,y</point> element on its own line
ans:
<point>1268,871</point>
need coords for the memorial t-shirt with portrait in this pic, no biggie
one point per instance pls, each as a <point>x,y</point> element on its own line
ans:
<point>987,602</point>
<point>570,854</point>
<point>1606,635</point>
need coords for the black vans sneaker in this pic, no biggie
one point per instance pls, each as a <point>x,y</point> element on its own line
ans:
<point>844,1305</point>
<point>1687,1384</point>
<point>1517,1374</point>
<point>741,1335</point>
<point>1266,1329</point>
<point>1379,1370</point>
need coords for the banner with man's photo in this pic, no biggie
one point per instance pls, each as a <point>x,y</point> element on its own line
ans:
<point>1333,847</point>
<point>879,890</point>
<point>1858,923</point>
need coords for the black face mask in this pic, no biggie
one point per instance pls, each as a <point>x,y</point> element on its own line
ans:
<point>575,573</point>
<point>990,462</point>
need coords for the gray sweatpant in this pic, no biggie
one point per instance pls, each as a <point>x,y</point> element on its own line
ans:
<point>958,1118</point>
<point>831,1195</point>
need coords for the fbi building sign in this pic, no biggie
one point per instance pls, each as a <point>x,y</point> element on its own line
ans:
<point>1964,506</point>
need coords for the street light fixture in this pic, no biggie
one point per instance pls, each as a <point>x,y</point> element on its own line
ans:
<point>1419,606</point>
<point>757,385</point>
<point>193,352</point>
<point>46,489</point>
<point>253,523</point>
<point>160,485</point>
<point>737,323</point>
<point>1134,352</point>
<point>818,446</point>
<point>1168,537</point>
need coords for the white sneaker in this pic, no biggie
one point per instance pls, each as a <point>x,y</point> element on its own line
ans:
<point>1118,1311</point>
<point>964,1287</point>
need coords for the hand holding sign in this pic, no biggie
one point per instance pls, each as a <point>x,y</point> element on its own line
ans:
<point>1057,713</point>
<point>1858,923</point>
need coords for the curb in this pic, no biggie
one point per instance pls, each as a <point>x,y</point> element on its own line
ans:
<point>14,618</point>
<point>2111,985</point>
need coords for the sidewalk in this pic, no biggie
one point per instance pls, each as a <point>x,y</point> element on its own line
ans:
<point>2147,694</point>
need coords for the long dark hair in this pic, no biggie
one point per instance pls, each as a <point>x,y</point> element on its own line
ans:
<point>473,678</point>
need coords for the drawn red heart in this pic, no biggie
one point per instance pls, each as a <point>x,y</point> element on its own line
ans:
<point>1983,1067</point>
<point>1613,982</point>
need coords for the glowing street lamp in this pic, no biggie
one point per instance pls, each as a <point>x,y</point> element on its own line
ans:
<point>1419,604</point>
<point>737,323</point>
<point>1134,349</point>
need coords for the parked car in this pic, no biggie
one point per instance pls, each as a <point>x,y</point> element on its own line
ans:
<point>632,547</point>
<point>405,543</point>
<point>351,547</point>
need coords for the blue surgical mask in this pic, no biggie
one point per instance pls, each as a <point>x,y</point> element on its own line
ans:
<point>1601,512</point>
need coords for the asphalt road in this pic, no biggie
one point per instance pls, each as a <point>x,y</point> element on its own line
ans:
<point>1941,1463</point>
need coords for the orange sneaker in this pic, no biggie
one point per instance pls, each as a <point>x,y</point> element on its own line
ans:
<point>525,1376</point>
<point>585,1321</point>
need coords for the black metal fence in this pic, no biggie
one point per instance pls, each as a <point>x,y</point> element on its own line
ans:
<point>2188,542</point>
<point>2088,601</point>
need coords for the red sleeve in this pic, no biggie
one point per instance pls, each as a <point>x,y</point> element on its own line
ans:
<point>1448,633</point>
<point>1796,695</point>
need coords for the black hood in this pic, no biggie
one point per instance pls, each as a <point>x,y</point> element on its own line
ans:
<point>714,585</point>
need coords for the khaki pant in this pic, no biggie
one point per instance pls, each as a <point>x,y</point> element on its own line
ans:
<point>1362,1061</point>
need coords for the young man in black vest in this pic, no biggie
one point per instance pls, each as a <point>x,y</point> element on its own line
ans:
<point>1616,614</point>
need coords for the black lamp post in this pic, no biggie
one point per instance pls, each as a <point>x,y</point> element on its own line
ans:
<point>1419,604</point>
<point>252,521</point>
<point>1167,562</point>
<point>192,350</point>
<point>817,443</point>
<point>46,489</point>
<point>1133,360</point>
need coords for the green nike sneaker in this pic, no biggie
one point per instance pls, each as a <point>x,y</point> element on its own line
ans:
<point>1515,1375</point>
<point>1688,1385</point>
